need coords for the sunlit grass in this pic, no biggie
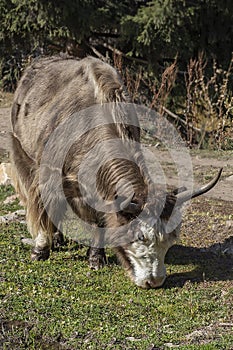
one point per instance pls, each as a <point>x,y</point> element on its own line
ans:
<point>61,304</point>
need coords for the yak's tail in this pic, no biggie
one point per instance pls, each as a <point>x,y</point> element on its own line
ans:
<point>23,168</point>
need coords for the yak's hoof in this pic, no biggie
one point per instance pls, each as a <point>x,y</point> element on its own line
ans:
<point>58,240</point>
<point>97,258</point>
<point>40,254</point>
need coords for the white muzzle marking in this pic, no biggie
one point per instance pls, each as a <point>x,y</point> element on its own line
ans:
<point>147,255</point>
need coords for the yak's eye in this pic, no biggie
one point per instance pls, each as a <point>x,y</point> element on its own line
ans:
<point>141,237</point>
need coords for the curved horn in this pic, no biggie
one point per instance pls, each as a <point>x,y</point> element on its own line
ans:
<point>186,195</point>
<point>130,206</point>
<point>125,202</point>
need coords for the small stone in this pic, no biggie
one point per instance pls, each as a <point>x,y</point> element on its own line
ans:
<point>229,224</point>
<point>132,339</point>
<point>5,174</point>
<point>17,216</point>
<point>28,241</point>
<point>10,199</point>
<point>170,345</point>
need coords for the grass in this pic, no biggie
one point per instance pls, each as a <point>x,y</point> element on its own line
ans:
<point>61,304</point>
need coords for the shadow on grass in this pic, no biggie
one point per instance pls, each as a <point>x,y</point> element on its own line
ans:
<point>214,263</point>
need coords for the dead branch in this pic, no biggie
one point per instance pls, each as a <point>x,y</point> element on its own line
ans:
<point>118,52</point>
<point>97,53</point>
<point>174,116</point>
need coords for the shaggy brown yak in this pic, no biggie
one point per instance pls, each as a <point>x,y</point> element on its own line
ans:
<point>51,96</point>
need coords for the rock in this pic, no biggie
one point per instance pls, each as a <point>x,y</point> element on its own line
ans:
<point>229,224</point>
<point>170,345</point>
<point>229,178</point>
<point>28,241</point>
<point>10,199</point>
<point>17,216</point>
<point>5,174</point>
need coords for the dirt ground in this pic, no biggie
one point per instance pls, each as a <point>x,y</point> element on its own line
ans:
<point>5,128</point>
<point>205,164</point>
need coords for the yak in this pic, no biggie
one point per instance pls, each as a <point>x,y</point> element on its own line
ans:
<point>67,119</point>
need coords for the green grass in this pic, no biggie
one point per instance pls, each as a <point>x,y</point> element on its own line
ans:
<point>61,304</point>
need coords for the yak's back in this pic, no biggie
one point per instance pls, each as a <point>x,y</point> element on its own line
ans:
<point>52,89</point>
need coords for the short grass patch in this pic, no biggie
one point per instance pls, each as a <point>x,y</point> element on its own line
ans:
<point>61,304</point>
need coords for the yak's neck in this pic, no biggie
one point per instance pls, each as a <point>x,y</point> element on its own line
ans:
<point>121,177</point>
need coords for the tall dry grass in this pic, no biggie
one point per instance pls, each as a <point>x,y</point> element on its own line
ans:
<point>204,113</point>
<point>209,103</point>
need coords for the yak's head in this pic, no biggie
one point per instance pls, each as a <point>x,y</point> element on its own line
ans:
<point>154,231</point>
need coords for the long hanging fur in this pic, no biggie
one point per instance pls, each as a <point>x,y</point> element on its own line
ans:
<point>50,91</point>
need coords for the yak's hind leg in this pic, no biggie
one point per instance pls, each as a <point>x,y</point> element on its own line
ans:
<point>44,231</point>
<point>44,216</point>
<point>96,253</point>
<point>41,249</point>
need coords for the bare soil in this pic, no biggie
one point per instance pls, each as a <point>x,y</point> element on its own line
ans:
<point>5,128</point>
<point>205,164</point>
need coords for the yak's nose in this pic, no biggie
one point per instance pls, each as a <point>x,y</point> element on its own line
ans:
<point>155,282</point>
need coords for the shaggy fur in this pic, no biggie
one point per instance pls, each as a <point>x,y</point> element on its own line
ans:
<point>49,94</point>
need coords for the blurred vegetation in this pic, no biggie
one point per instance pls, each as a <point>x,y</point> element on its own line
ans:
<point>175,55</point>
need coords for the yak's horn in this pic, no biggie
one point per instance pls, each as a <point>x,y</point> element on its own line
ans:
<point>125,202</point>
<point>187,195</point>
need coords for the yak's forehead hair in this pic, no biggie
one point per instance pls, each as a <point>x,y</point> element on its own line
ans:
<point>146,232</point>
<point>155,230</point>
<point>152,231</point>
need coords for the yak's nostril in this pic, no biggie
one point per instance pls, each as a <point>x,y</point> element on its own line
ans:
<point>155,282</point>
<point>148,285</point>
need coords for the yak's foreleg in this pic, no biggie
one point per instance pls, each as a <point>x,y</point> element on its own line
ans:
<point>96,253</point>
<point>58,240</point>
<point>58,237</point>
<point>97,258</point>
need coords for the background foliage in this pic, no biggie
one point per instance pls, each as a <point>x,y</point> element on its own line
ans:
<point>143,39</point>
